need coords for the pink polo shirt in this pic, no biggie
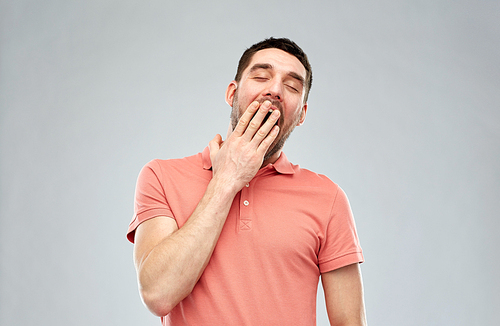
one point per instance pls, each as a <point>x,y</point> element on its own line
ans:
<point>284,228</point>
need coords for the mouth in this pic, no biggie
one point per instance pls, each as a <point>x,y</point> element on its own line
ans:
<point>271,110</point>
<point>275,105</point>
<point>268,115</point>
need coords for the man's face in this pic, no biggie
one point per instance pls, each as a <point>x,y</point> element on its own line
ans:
<point>279,77</point>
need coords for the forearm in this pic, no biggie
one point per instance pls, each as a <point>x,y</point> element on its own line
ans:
<point>171,269</point>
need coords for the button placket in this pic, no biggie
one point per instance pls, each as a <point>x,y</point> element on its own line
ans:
<point>245,222</point>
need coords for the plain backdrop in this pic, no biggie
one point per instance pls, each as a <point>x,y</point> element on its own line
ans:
<point>403,114</point>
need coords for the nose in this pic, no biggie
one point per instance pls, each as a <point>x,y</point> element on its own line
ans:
<point>274,89</point>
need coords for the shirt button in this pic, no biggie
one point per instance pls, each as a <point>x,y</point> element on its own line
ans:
<point>247,185</point>
<point>246,203</point>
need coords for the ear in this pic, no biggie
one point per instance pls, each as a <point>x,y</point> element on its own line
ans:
<point>302,115</point>
<point>230,91</point>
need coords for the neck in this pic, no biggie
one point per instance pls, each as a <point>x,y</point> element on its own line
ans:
<point>272,159</point>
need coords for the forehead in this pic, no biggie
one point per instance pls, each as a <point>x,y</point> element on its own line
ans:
<point>279,60</point>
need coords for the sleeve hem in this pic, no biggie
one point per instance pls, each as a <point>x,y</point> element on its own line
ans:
<point>336,263</point>
<point>144,216</point>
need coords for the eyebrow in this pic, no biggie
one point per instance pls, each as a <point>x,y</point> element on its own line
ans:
<point>268,66</point>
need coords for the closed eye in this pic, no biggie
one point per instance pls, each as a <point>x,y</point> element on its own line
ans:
<point>292,88</point>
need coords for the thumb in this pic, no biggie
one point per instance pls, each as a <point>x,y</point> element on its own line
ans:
<point>214,146</point>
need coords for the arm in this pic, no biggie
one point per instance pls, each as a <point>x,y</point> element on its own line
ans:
<point>169,261</point>
<point>344,296</point>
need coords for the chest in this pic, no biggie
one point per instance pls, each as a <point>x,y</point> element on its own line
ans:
<point>268,218</point>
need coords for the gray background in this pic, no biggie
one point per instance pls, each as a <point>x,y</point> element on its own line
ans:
<point>403,114</point>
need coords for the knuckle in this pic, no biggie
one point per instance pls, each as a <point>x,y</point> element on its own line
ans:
<point>261,133</point>
<point>254,125</point>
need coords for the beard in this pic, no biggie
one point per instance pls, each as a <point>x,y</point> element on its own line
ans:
<point>285,129</point>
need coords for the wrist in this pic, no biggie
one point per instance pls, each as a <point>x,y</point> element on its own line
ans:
<point>224,187</point>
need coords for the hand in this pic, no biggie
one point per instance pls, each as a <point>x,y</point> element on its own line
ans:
<point>237,160</point>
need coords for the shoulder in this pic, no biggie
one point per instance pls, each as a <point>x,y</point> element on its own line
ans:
<point>176,173</point>
<point>310,178</point>
<point>161,171</point>
<point>185,163</point>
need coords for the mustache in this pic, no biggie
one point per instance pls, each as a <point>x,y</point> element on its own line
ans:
<point>275,103</point>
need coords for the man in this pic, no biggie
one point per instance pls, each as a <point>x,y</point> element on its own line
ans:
<point>237,235</point>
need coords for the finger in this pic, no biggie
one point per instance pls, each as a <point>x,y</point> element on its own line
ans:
<point>256,122</point>
<point>266,143</point>
<point>267,126</point>
<point>246,118</point>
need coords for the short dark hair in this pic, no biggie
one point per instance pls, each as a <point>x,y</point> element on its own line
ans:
<point>282,44</point>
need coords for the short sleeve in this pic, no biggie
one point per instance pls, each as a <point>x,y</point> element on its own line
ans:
<point>340,245</point>
<point>150,200</point>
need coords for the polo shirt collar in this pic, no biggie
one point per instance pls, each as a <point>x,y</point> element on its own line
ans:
<point>282,165</point>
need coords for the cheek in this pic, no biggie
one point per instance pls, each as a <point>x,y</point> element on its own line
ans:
<point>239,101</point>
<point>292,116</point>
<point>248,94</point>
